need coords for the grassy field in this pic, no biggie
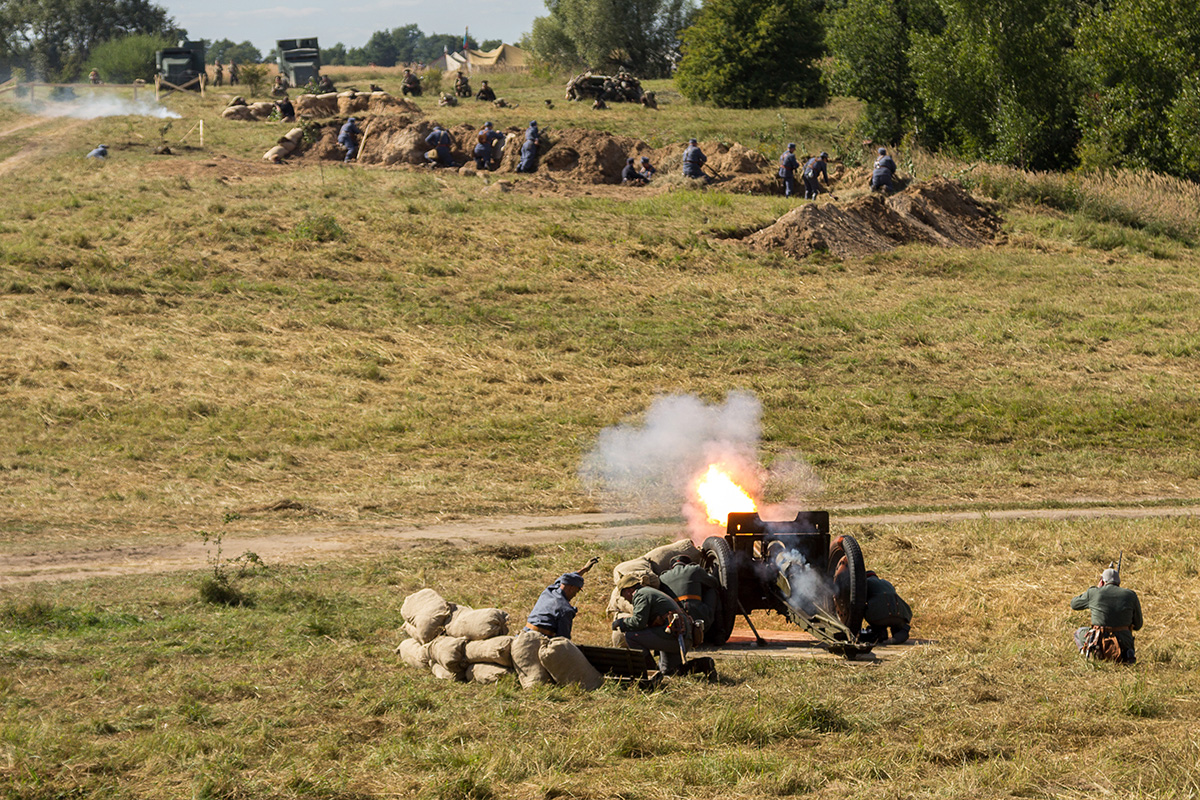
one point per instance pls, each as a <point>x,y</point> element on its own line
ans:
<point>191,337</point>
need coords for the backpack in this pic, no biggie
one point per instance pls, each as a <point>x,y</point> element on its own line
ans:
<point>1101,645</point>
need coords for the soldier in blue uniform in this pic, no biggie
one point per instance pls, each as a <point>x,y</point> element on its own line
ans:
<point>788,164</point>
<point>553,614</point>
<point>813,170</point>
<point>485,146</point>
<point>439,143</point>
<point>647,169</point>
<point>101,151</point>
<point>694,161</point>
<point>348,138</point>
<point>529,150</point>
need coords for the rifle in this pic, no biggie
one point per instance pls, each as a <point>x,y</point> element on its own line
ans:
<point>715,174</point>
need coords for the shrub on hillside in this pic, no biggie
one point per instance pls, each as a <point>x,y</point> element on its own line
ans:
<point>127,59</point>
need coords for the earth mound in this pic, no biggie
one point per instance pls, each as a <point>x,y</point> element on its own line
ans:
<point>940,212</point>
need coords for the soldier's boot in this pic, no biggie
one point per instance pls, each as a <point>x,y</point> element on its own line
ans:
<point>899,636</point>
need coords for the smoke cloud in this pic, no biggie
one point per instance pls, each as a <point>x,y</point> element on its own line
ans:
<point>104,105</point>
<point>650,466</point>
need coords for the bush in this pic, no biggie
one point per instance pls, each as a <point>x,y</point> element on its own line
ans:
<point>127,59</point>
<point>253,77</point>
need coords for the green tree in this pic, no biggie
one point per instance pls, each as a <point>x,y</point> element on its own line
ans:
<point>753,54</point>
<point>641,36</point>
<point>335,55</point>
<point>1140,63</point>
<point>52,38</point>
<point>226,50</point>
<point>868,42</point>
<point>490,44</point>
<point>128,58</point>
<point>998,80</point>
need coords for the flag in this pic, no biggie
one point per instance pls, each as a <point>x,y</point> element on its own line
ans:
<point>465,37</point>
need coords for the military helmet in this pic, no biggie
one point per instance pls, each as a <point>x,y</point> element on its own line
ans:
<point>692,141</point>
<point>533,124</point>
<point>487,125</point>
<point>883,151</point>
<point>352,119</point>
<point>645,159</point>
<point>629,582</point>
<point>680,559</point>
<point>824,155</point>
<point>791,146</point>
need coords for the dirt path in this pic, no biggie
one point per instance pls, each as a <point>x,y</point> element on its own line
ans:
<point>316,546</point>
<point>56,127</point>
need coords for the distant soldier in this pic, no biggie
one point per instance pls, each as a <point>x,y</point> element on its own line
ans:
<point>881,180</point>
<point>694,161</point>
<point>281,86</point>
<point>1116,613</point>
<point>788,164</point>
<point>101,152</point>
<point>885,610</point>
<point>285,109</point>
<point>325,85</point>
<point>694,588</point>
<point>659,624</point>
<point>553,614</point>
<point>529,149</point>
<point>485,146</point>
<point>94,76</point>
<point>599,105</point>
<point>885,161</point>
<point>630,175</point>
<point>813,170</point>
<point>647,169</point>
<point>234,72</point>
<point>485,93</point>
<point>348,138</point>
<point>649,101</point>
<point>410,84</point>
<point>447,99</point>
<point>462,86</point>
<point>439,143</point>
<point>218,74</point>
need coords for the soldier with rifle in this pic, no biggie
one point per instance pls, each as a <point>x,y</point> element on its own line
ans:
<point>694,161</point>
<point>813,170</point>
<point>1115,613</point>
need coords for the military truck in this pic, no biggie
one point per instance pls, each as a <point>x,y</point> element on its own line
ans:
<point>299,60</point>
<point>181,65</point>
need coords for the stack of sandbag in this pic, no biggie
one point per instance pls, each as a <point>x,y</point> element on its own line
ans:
<point>455,642</point>
<point>317,105</point>
<point>540,659</point>
<point>239,109</point>
<point>285,146</point>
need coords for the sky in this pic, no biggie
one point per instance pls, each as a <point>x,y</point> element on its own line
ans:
<point>350,22</point>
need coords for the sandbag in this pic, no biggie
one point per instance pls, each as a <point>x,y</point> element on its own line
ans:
<point>261,110</point>
<point>242,113</point>
<point>660,557</point>
<point>496,650</point>
<point>486,673</point>
<point>482,623</point>
<point>636,566</point>
<point>295,136</point>
<point>618,604</point>
<point>450,652</point>
<point>317,105</point>
<point>414,653</point>
<point>276,154</point>
<point>426,614</point>
<point>618,637</point>
<point>567,664</point>
<point>444,674</point>
<point>527,660</point>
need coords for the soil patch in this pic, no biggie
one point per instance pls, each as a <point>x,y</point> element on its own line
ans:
<point>940,212</point>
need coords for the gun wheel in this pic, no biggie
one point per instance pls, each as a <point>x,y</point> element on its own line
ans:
<point>849,577</point>
<point>718,560</point>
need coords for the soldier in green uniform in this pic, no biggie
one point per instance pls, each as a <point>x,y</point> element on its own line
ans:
<point>694,588</point>
<point>1116,612</point>
<point>657,624</point>
<point>885,610</point>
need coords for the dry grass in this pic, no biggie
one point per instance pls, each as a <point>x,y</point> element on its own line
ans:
<point>134,688</point>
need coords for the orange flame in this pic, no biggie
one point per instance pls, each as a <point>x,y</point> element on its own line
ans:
<point>720,496</point>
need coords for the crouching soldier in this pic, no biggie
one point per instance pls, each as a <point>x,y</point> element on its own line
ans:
<point>885,610</point>
<point>553,614</point>
<point>1116,613</point>
<point>348,138</point>
<point>659,624</point>
<point>439,143</point>
<point>485,146</point>
<point>694,588</point>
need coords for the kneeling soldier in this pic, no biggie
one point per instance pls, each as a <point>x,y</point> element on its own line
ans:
<point>1116,613</point>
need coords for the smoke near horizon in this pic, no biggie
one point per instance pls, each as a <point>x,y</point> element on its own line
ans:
<point>103,105</point>
<point>650,466</point>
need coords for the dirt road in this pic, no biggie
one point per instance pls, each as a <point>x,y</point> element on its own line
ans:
<point>315,546</point>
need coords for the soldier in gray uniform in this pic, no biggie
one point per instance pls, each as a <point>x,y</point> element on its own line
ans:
<point>658,623</point>
<point>694,588</point>
<point>1116,613</point>
<point>885,610</point>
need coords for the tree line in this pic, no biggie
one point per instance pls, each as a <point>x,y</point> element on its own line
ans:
<point>1041,84</point>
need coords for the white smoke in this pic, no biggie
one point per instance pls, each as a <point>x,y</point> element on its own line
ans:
<point>807,588</point>
<point>105,105</point>
<point>649,466</point>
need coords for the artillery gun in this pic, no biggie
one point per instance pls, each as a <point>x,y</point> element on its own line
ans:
<point>794,568</point>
